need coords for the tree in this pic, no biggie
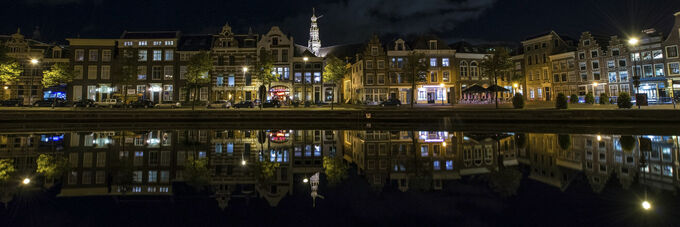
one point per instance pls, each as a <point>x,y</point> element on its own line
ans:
<point>50,166</point>
<point>561,101</point>
<point>59,73</point>
<point>335,169</point>
<point>415,70</point>
<point>505,182</point>
<point>197,73</point>
<point>590,99</point>
<point>263,71</point>
<point>518,101</point>
<point>196,173</point>
<point>604,98</point>
<point>627,143</point>
<point>564,140</point>
<point>334,71</point>
<point>264,171</point>
<point>495,64</point>
<point>573,99</point>
<point>6,169</point>
<point>126,72</point>
<point>9,71</point>
<point>623,101</point>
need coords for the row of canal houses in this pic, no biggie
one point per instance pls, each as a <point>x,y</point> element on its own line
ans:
<point>544,65</point>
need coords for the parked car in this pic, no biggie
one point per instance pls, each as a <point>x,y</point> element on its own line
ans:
<point>49,102</point>
<point>272,103</point>
<point>142,103</point>
<point>111,103</point>
<point>391,102</point>
<point>244,104</point>
<point>12,102</point>
<point>168,104</point>
<point>219,104</point>
<point>84,103</point>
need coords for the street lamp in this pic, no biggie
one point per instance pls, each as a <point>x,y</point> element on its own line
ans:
<point>305,59</point>
<point>636,78</point>
<point>243,162</point>
<point>306,180</point>
<point>245,69</point>
<point>443,92</point>
<point>444,144</point>
<point>6,87</point>
<point>26,181</point>
<point>34,61</point>
<point>646,205</point>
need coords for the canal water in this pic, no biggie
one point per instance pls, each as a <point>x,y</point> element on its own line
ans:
<point>264,177</point>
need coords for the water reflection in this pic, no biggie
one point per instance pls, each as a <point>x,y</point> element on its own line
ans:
<point>273,164</point>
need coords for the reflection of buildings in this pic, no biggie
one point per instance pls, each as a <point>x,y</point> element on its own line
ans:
<point>148,162</point>
<point>396,157</point>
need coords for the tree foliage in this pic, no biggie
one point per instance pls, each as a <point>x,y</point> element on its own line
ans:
<point>59,73</point>
<point>573,99</point>
<point>590,99</point>
<point>334,71</point>
<point>263,68</point>
<point>505,182</point>
<point>126,72</point>
<point>6,169</point>
<point>564,140</point>
<point>265,170</point>
<point>196,173</point>
<point>561,101</point>
<point>518,101</point>
<point>604,98</point>
<point>415,70</point>
<point>9,71</point>
<point>197,74</point>
<point>627,143</point>
<point>623,101</point>
<point>51,166</point>
<point>335,169</point>
<point>495,64</point>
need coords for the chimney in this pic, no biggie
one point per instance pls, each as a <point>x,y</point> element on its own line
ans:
<point>677,19</point>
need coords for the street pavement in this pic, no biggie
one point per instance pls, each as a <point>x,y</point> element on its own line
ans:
<point>528,106</point>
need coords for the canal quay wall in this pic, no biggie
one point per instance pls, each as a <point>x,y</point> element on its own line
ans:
<point>349,116</point>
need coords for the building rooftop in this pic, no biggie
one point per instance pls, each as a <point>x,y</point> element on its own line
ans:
<point>195,42</point>
<point>150,35</point>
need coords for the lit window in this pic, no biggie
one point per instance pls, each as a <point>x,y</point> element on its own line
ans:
<point>142,55</point>
<point>169,55</point>
<point>445,62</point>
<point>169,43</point>
<point>142,43</point>
<point>157,43</point>
<point>157,55</point>
<point>433,62</point>
<point>127,43</point>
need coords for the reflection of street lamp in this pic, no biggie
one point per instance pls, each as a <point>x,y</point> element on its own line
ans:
<point>305,180</point>
<point>443,92</point>
<point>243,162</point>
<point>599,137</point>
<point>26,181</point>
<point>646,205</point>
<point>6,87</point>
<point>34,61</point>
<point>444,144</point>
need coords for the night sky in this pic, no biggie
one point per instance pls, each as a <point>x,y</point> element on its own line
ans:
<point>344,21</point>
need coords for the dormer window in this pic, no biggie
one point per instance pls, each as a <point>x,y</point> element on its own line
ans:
<point>374,51</point>
<point>275,41</point>
<point>56,53</point>
<point>400,46</point>
<point>433,44</point>
<point>586,42</point>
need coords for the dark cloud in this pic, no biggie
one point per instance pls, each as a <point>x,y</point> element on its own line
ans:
<point>355,20</point>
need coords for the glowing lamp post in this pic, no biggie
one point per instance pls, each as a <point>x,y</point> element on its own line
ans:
<point>646,205</point>
<point>245,70</point>
<point>26,181</point>
<point>636,78</point>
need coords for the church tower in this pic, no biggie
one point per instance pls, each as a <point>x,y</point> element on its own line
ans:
<point>314,43</point>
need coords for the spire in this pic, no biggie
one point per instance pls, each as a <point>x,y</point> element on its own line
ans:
<point>314,43</point>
